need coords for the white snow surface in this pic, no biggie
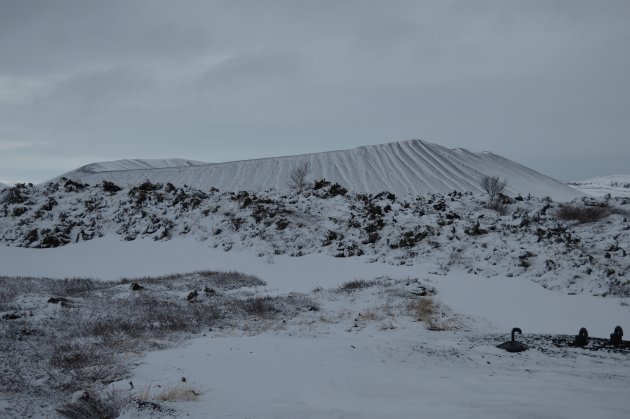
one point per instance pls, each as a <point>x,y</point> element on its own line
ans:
<point>401,373</point>
<point>332,364</point>
<point>615,185</point>
<point>412,166</point>
<point>327,367</point>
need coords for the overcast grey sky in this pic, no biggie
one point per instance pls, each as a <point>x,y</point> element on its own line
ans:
<point>545,83</point>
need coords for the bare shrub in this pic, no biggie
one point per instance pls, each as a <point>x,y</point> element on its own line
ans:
<point>298,176</point>
<point>582,214</point>
<point>493,187</point>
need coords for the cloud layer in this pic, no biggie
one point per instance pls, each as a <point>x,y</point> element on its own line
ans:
<point>545,83</point>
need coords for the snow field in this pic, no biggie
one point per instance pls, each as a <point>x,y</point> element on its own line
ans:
<point>361,354</point>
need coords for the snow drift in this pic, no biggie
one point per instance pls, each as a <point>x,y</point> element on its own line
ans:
<point>413,166</point>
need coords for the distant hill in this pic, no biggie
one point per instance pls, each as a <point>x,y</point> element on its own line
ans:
<point>615,185</point>
<point>412,166</point>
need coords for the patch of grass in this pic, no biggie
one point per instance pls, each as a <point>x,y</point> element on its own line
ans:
<point>259,306</point>
<point>356,284</point>
<point>52,354</point>
<point>370,315</point>
<point>435,318</point>
<point>422,309</point>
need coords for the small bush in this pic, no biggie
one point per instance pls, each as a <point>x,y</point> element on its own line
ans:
<point>582,214</point>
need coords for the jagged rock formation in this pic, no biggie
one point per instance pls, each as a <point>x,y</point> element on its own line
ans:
<point>446,230</point>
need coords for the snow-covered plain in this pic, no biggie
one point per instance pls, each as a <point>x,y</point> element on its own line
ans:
<point>531,306</point>
<point>333,364</point>
<point>614,185</point>
<point>414,166</point>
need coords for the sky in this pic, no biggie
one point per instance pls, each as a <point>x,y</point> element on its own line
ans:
<point>545,83</point>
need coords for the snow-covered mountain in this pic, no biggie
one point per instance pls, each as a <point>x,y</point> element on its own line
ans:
<point>412,166</point>
<point>615,185</point>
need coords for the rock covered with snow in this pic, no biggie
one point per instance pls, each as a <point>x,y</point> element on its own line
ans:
<point>531,239</point>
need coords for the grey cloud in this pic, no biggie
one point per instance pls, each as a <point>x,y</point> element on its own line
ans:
<point>39,37</point>
<point>94,90</point>
<point>546,83</point>
<point>257,66</point>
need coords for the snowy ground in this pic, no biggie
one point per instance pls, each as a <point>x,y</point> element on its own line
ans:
<point>334,363</point>
<point>404,373</point>
<point>613,185</point>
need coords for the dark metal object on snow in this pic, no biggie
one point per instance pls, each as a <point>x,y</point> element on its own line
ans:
<point>615,338</point>
<point>582,338</point>
<point>513,345</point>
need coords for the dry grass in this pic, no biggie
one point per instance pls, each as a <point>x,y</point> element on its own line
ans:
<point>108,405</point>
<point>260,306</point>
<point>61,349</point>
<point>356,284</point>
<point>423,309</point>
<point>370,315</point>
<point>435,318</point>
